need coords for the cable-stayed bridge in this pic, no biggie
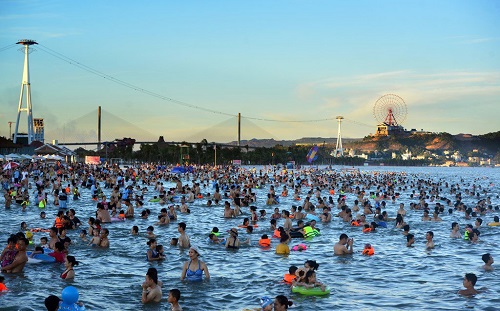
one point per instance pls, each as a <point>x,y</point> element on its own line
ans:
<point>83,131</point>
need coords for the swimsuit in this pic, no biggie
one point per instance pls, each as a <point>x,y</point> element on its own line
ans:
<point>233,246</point>
<point>64,275</point>
<point>194,276</point>
<point>9,257</point>
<point>171,216</point>
<point>154,254</point>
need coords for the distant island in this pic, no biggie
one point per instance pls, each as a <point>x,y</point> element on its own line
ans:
<point>427,147</point>
<point>409,149</point>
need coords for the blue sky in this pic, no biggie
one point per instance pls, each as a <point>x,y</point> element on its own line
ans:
<point>281,60</point>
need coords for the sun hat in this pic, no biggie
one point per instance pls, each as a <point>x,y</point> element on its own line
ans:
<point>196,249</point>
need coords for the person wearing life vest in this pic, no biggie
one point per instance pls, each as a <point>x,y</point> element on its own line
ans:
<point>215,231</point>
<point>310,230</point>
<point>76,193</point>
<point>290,276</point>
<point>368,250</point>
<point>42,203</point>
<point>265,241</point>
<point>367,229</point>
<point>59,222</point>
<point>468,230</point>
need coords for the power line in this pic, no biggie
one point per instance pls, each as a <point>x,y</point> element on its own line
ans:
<point>123,83</point>
<point>159,96</point>
<point>358,123</point>
<point>5,48</point>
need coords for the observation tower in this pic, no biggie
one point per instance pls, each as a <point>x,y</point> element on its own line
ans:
<point>339,151</point>
<point>25,90</point>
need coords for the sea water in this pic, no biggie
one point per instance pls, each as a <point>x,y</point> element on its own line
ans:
<point>395,278</point>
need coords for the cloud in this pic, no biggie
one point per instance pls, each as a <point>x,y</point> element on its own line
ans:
<point>446,83</point>
<point>452,96</point>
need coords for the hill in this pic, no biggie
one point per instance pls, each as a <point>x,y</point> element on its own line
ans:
<point>415,143</point>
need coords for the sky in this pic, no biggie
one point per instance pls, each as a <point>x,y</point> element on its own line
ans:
<point>191,66</point>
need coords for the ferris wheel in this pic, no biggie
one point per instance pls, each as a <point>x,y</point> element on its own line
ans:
<point>390,109</point>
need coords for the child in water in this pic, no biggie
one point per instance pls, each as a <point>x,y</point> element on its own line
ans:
<point>135,230</point>
<point>83,235</point>
<point>38,250</point>
<point>212,238</point>
<point>174,295</point>
<point>96,239</point>
<point>267,303</point>
<point>160,251</point>
<point>290,276</point>
<point>44,242</point>
<point>310,281</point>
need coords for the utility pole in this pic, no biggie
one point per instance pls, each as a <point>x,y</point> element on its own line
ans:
<point>10,128</point>
<point>215,150</point>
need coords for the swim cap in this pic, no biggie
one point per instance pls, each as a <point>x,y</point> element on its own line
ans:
<point>265,301</point>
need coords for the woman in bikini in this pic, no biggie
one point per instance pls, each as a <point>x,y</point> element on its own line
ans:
<point>70,263</point>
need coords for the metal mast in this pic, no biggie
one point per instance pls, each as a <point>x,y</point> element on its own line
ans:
<point>25,87</point>
<point>339,151</point>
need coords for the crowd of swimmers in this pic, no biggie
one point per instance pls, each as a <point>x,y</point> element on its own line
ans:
<point>53,184</point>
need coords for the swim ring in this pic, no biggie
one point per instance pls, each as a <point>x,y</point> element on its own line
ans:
<point>40,258</point>
<point>312,217</point>
<point>299,247</point>
<point>314,291</point>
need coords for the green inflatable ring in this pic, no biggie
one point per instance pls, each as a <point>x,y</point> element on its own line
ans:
<point>314,291</point>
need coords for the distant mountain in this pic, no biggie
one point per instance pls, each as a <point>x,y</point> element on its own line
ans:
<point>268,143</point>
<point>488,143</point>
<point>417,142</point>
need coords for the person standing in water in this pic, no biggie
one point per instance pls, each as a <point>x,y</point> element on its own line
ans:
<point>340,247</point>
<point>195,263</point>
<point>151,292</point>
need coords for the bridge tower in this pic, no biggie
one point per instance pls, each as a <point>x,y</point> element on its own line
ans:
<point>25,88</point>
<point>339,151</point>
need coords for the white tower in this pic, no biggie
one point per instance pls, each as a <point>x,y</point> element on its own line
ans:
<point>25,87</point>
<point>339,151</point>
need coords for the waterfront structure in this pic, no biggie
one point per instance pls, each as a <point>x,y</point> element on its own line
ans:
<point>39,130</point>
<point>339,151</point>
<point>25,92</point>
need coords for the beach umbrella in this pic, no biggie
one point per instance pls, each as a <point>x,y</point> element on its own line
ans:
<point>10,166</point>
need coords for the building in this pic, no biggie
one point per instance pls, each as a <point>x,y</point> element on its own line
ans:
<point>54,149</point>
<point>39,130</point>
<point>384,129</point>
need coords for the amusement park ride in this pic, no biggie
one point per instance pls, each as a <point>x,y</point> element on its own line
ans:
<point>390,111</point>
